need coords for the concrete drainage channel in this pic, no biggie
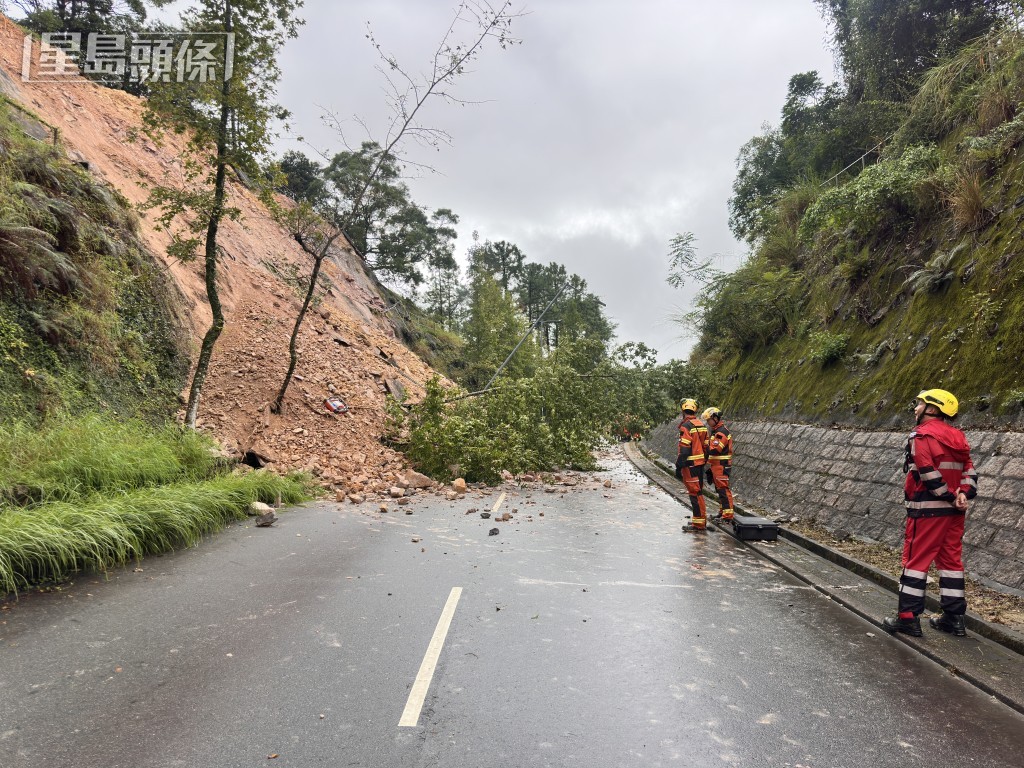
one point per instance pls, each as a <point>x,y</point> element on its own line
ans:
<point>991,657</point>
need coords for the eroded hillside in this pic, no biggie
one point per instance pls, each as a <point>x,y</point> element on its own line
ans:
<point>348,346</point>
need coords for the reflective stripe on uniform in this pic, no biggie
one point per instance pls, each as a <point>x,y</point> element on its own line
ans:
<point>915,574</point>
<point>933,504</point>
<point>951,574</point>
<point>911,590</point>
<point>951,592</point>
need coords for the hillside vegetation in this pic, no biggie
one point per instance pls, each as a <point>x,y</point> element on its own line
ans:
<point>85,313</point>
<point>900,273</point>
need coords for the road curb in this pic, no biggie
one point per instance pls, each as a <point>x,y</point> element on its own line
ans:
<point>659,471</point>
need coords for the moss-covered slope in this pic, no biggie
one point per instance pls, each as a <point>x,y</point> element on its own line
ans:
<point>907,276</point>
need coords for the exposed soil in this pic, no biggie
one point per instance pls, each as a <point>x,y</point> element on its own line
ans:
<point>348,347</point>
<point>989,604</point>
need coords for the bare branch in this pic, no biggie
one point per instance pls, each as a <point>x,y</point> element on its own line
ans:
<point>405,96</point>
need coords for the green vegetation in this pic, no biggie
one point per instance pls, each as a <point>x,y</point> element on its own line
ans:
<point>87,328</point>
<point>53,541</point>
<point>901,270</point>
<point>92,493</point>
<point>551,418</point>
<point>76,456</point>
<point>563,391</point>
<point>86,317</point>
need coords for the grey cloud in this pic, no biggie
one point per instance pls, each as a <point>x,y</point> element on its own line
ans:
<point>611,128</point>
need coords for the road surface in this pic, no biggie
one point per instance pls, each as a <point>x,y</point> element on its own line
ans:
<point>590,631</point>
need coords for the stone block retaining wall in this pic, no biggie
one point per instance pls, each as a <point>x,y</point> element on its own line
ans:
<point>851,482</point>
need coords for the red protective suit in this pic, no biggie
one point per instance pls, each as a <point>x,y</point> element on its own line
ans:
<point>938,464</point>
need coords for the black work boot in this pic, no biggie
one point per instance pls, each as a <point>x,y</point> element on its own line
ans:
<point>948,622</point>
<point>910,627</point>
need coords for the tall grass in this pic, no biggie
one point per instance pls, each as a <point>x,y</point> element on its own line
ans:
<point>71,458</point>
<point>56,539</point>
<point>93,493</point>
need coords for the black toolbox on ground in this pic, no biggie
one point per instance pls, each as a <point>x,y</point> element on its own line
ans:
<point>755,528</point>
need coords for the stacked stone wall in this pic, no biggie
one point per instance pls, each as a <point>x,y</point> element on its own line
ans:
<point>851,482</point>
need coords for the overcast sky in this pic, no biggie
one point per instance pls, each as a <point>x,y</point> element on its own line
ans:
<point>611,128</point>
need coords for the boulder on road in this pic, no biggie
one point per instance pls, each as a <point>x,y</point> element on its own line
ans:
<point>258,508</point>
<point>418,480</point>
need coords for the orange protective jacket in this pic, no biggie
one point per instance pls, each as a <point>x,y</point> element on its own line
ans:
<point>693,435</point>
<point>720,446</point>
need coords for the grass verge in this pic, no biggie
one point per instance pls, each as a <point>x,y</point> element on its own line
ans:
<point>92,493</point>
<point>71,458</point>
<point>53,540</point>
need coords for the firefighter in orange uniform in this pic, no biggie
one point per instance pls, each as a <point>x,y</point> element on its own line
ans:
<point>941,479</point>
<point>693,435</point>
<point>720,459</point>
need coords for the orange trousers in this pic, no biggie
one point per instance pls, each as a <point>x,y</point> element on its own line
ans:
<point>693,478</point>
<point>720,477</point>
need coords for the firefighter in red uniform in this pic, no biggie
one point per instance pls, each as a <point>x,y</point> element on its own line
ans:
<point>940,481</point>
<point>693,435</point>
<point>720,459</point>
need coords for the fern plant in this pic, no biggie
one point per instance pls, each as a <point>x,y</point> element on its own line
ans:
<point>935,276</point>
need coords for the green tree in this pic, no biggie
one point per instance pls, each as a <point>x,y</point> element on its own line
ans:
<point>579,314</point>
<point>82,16</point>
<point>883,47</point>
<point>303,178</point>
<point>529,290</point>
<point>390,232</point>
<point>822,132</point>
<point>501,259</point>
<point>445,295</point>
<point>553,279</point>
<point>493,328</point>
<point>228,123</point>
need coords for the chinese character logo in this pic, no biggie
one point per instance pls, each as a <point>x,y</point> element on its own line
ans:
<point>136,59</point>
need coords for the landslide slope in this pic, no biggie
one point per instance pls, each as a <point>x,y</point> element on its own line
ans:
<point>348,345</point>
<point>905,276</point>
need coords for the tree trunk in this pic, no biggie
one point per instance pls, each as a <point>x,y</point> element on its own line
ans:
<point>212,295</point>
<point>293,355</point>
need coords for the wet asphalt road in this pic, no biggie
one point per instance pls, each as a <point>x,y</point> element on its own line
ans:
<point>597,634</point>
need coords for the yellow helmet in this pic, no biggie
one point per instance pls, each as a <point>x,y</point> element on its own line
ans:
<point>941,399</point>
<point>689,404</point>
<point>711,412</point>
